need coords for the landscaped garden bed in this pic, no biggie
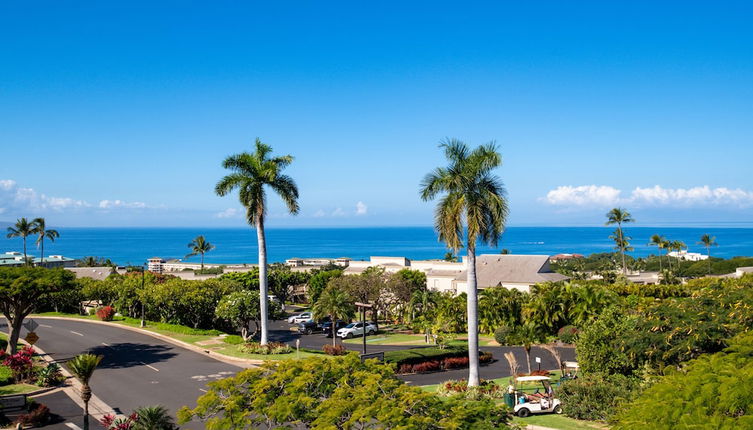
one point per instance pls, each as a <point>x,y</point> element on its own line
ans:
<point>431,359</point>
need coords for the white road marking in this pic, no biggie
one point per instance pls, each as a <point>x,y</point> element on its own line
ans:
<point>105,344</point>
<point>73,426</point>
<point>48,326</point>
<point>202,390</point>
<point>151,367</point>
<point>75,332</point>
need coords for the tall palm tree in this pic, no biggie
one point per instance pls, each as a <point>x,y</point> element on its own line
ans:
<point>43,233</point>
<point>708,241</point>
<point>23,229</point>
<point>251,174</point>
<point>336,304</point>
<point>199,246</point>
<point>666,244</point>
<point>473,202</point>
<point>620,216</point>
<point>658,241</point>
<point>82,367</point>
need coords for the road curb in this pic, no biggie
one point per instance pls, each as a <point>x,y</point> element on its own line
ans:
<point>243,362</point>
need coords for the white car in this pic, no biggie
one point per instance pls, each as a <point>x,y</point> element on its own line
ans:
<point>302,317</point>
<point>537,404</point>
<point>356,329</point>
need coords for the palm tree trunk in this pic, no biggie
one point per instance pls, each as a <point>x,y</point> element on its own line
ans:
<point>41,258</point>
<point>86,415</point>
<point>26,259</point>
<point>262,277</point>
<point>473,379</point>
<point>334,324</point>
<point>708,257</point>
<point>202,262</point>
<point>528,358</point>
<point>622,250</point>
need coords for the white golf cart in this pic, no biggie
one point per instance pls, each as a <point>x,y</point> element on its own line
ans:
<point>538,402</point>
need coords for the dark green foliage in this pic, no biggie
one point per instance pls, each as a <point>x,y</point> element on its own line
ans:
<point>417,355</point>
<point>596,397</point>
<point>711,392</point>
<point>325,393</point>
<point>568,334</point>
<point>6,375</point>
<point>505,335</point>
<point>318,282</point>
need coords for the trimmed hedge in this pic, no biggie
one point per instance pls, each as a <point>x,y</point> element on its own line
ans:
<point>420,355</point>
<point>6,375</point>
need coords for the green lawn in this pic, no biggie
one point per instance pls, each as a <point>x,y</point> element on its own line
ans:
<point>559,422</point>
<point>192,336</point>
<point>17,389</point>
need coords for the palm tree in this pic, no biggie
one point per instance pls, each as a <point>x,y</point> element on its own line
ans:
<point>449,256</point>
<point>708,241</point>
<point>23,229</point>
<point>666,244</point>
<point>82,367</point>
<point>153,418</point>
<point>658,241</point>
<point>527,335</point>
<point>199,246</point>
<point>251,173</point>
<point>43,233</point>
<point>620,216</point>
<point>335,303</point>
<point>622,244</point>
<point>471,193</point>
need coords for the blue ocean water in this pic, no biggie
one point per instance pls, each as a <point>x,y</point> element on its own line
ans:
<point>238,245</point>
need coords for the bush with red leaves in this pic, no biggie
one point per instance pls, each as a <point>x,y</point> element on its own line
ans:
<point>427,366</point>
<point>20,363</point>
<point>37,417</point>
<point>105,313</point>
<point>455,362</point>
<point>334,349</point>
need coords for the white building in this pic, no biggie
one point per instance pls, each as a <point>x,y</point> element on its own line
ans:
<point>689,256</point>
<point>511,271</point>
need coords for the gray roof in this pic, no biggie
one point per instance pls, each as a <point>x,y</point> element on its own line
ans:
<point>97,273</point>
<point>493,270</point>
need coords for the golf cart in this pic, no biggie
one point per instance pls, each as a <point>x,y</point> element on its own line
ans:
<point>569,370</point>
<point>537,403</point>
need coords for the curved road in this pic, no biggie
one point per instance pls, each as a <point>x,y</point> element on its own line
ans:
<point>137,369</point>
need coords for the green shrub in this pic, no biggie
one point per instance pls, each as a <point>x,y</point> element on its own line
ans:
<point>270,348</point>
<point>568,334</point>
<point>233,339</point>
<point>504,335</point>
<point>6,375</point>
<point>597,397</point>
<point>419,355</point>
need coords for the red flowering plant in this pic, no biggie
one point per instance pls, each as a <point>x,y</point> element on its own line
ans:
<point>111,422</point>
<point>20,363</point>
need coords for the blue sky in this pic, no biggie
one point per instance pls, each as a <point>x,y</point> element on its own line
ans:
<point>120,114</point>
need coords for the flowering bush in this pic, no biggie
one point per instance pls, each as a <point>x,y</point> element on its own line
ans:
<point>334,349</point>
<point>456,362</point>
<point>38,416</point>
<point>428,366</point>
<point>105,313</point>
<point>110,422</point>
<point>20,363</point>
<point>442,364</point>
<point>269,348</point>
<point>485,389</point>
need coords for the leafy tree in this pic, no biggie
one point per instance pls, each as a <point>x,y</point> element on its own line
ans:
<point>44,233</point>
<point>527,335</point>
<point>336,304</point>
<point>318,282</point>
<point>82,367</point>
<point>708,241</point>
<point>20,290</point>
<point>402,286</point>
<point>473,201</point>
<point>711,392</point>
<point>251,174</point>
<point>321,393</point>
<point>282,280</point>
<point>199,246</point>
<point>241,309</point>
<point>619,217</point>
<point>23,229</point>
<point>499,306</point>
<point>596,396</point>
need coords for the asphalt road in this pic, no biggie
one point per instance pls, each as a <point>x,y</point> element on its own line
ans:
<point>137,370</point>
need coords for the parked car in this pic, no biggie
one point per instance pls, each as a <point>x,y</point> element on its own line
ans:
<point>310,326</point>
<point>356,329</point>
<point>304,316</point>
<point>327,327</point>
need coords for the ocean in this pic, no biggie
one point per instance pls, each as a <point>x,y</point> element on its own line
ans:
<point>238,245</point>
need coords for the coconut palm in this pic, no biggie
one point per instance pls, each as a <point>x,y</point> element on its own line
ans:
<point>82,367</point>
<point>199,246</point>
<point>620,216</point>
<point>251,174</point>
<point>473,202</point>
<point>335,303</point>
<point>43,233</point>
<point>153,418</point>
<point>527,335</point>
<point>658,241</point>
<point>708,241</point>
<point>23,229</point>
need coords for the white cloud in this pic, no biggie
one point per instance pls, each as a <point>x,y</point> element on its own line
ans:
<point>656,196</point>
<point>320,213</point>
<point>229,213</point>
<point>584,195</point>
<point>21,200</point>
<point>361,208</point>
<point>338,212</point>
<point>116,204</point>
